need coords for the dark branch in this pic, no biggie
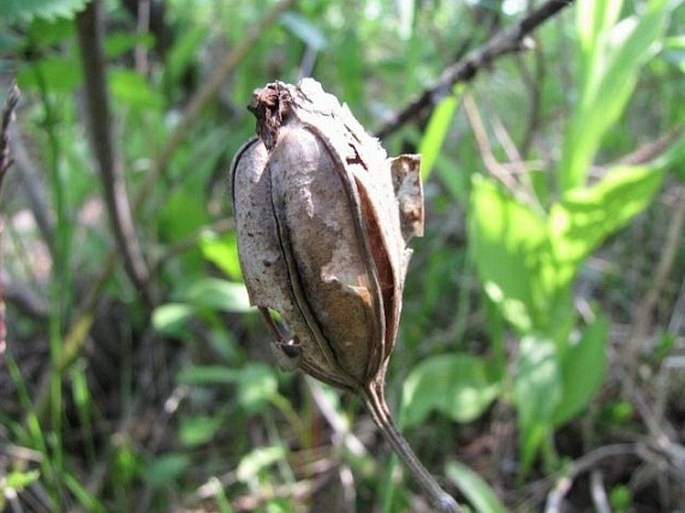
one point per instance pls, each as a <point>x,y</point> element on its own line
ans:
<point>30,177</point>
<point>90,26</point>
<point>7,115</point>
<point>5,163</point>
<point>505,42</point>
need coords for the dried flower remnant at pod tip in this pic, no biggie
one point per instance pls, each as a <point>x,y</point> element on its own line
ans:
<point>323,218</point>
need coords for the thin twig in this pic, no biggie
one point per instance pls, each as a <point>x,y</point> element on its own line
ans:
<point>652,149</point>
<point>533,83</point>
<point>7,114</point>
<point>499,171</point>
<point>27,300</point>
<point>90,28</point>
<point>11,103</point>
<point>599,493</point>
<point>663,269</point>
<point>341,431</point>
<point>483,142</point>
<point>505,42</point>
<point>31,179</point>
<point>582,465</point>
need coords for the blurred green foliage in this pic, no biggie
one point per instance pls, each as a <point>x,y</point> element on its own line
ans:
<point>172,406</point>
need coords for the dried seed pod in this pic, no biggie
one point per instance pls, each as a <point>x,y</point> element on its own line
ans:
<point>323,218</point>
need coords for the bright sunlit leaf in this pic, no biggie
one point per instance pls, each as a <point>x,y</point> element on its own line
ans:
<point>586,358</point>
<point>460,386</point>
<point>476,490</point>
<point>218,294</point>
<point>537,392</point>
<point>436,131</point>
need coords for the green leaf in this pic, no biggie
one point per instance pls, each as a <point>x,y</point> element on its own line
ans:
<point>587,216</point>
<point>537,392</point>
<point>586,358</point>
<point>476,490</point>
<point>253,463</point>
<point>170,319</point>
<point>222,251</point>
<point>593,18</point>
<point>16,480</point>
<point>611,58</point>
<point>28,9</point>
<point>49,33</point>
<point>182,215</point>
<point>460,386</point>
<point>508,240</point>
<point>438,126</point>
<point>131,88</point>
<point>57,74</point>
<point>218,294</point>
<point>199,429</point>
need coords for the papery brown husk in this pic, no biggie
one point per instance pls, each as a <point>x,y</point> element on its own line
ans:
<point>323,218</point>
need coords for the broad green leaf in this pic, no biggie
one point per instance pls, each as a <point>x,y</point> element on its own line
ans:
<point>199,429</point>
<point>610,66</point>
<point>460,386</point>
<point>476,490</point>
<point>218,294</point>
<point>437,129</point>
<point>48,9</point>
<point>44,33</point>
<point>253,463</point>
<point>129,87</point>
<point>182,215</point>
<point>508,240</point>
<point>537,392</point>
<point>170,319</point>
<point>586,359</point>
<point>222,251</point>
<point>587,216</point>
<point>56,74</point>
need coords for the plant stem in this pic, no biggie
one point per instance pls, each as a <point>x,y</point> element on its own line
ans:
<point>374,400</point>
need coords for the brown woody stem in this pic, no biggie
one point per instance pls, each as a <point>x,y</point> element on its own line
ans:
<point>374,400</point>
